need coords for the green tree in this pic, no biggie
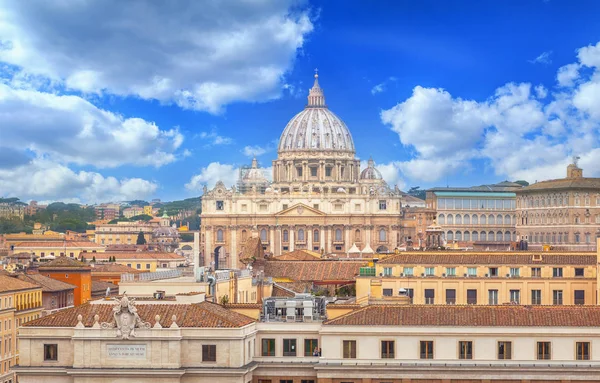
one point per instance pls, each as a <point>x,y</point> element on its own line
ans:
<point>186,237</point>
<point>141,217</point>
<point>522,182</point>
<point>94,259</point>
<point>141,240</point>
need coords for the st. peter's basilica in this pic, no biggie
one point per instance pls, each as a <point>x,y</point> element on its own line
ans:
<point>319,198</point>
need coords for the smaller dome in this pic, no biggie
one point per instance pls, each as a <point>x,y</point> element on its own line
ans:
<point>370,173</point>
<point>254,175</point>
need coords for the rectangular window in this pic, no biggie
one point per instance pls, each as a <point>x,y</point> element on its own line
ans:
<point>557,297</point>
<point>313,172</point>
<point>543,350</point>
<point>268,347</point>
<point>387,349</point>
<point>515,272</point>
<point>426,349</point>
<point>429,271</point>
<point>299,171</point>
<point>515,296</point>
<point>429,296</point>
<point>493,271</point>
<point>311,347</point>
<point>219,205</point>
<point>472,271</point>
<point>450,296</point>
<point>328,171</point>
<point>582,350</point>
<point>209,353</point>
<point>451,271</point>
<point>388,292</point>
<point>504,350</point>
<point>579,271</point>
<point>289,347</point>
<point>536,272</point>
<point>471,297</point>
<point>579,297</point>
<point>138,266</point>
<point>382,205</point>
<point>465,349</point>
<point>536,297</point>
<point>284,206</point>
<point>147,266</point>
<point>316,206</point>
<point>50,352</point>
<point>387,271</point>
<point>349,349</point>
<point>557,272</point>
<point>409,271</point>
<point>492,297</point>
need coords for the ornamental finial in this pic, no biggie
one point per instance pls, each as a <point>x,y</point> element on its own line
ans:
<point>316,98</point>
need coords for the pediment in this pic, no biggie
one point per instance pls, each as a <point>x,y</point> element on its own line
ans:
<point>300,210</point>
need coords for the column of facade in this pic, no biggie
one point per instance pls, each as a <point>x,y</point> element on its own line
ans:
<point>347,245</point>
<point>291,238</point>
<point>208,246</point>
<point>278,241</point>
<point>233,253</point>
<point>309,239</point>
<point>321,237</point>
<point>368,229</point>
<point>272,239</point>
<point>328,240</point>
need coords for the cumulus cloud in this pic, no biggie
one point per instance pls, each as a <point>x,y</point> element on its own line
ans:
<point>214,139</point>
<point>211,174</point>
<point>382,87</point>
<point>43,179</point>
<point>70,129</point>
<point>254,150</point>
<point>543,58</point>
<point>198,55</point>
<point>391,172</point>
<point>513,131</point>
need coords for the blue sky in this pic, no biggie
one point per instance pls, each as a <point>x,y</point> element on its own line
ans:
<point>154,100</point>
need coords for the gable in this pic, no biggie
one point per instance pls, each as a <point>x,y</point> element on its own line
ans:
<point>300,210</point>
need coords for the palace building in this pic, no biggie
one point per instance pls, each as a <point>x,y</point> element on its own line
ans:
<point>319,198</point>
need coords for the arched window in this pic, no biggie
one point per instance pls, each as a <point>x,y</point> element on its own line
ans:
<point>263,235</point>
<point>338,234</point>
<point>499,236</point>
<point>219,235</point>
<point>491,220</point>
<point>442,219</point>
<point>459,236</point>
<point>499,219</point>
<point>474,219</point>
<point>483,219</point>
<point>286,236</point>
<point>244,233</point>
<point>491,236</point>
<point>382,235</point>
<point>483,236</point>
<point>450,236</point>
<point>475,236</point>
<point>467,219</point>
<point>301,235</point>
<point>316,236</point>
<point>357,235</point>
<point>458,219</point>
<point>507,219</point>
<point>450,219</point>
<point>507,236</point>
<point>467,236</point>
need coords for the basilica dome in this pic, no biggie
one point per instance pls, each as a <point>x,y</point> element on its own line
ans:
<point>316,128</point>
<point>254,175</point>
<point>370,172</point>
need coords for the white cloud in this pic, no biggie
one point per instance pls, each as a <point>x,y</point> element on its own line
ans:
<point>543,58</point>
<point>391,172</point>
<point>254,150</point>
<point>214,139</point>
<point>70,129</point>
<point>512,131</point>
<point>199,55</point>
<point>43,179</point>
<point>212,173</point>
<point>382,87</point>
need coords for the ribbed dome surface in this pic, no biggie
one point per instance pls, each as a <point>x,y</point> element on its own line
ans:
<point>370,172</point>
<point>316,128</point>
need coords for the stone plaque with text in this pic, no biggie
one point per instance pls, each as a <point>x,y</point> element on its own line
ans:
<point>126,351</point>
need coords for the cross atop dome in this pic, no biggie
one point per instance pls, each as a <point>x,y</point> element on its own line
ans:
<point>316,98</point>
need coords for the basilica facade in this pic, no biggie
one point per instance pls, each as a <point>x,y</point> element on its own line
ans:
<point>319,198</point>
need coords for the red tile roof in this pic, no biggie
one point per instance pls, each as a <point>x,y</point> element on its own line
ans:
<point>54,244</point>
<point>490,258</point>
<point>471,315</point>
<point>318,271</point>
<point>8,283</point>
<point>64,262</point>
<point>47,284</point>
<point>204,314</point>
<point>298,255</point>
<point>114,268</point>
<point>139,255</point>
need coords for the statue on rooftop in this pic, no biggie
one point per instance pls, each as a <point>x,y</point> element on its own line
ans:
<point>126,318</point>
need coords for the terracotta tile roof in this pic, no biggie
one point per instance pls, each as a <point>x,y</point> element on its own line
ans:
<point>8,283</point>
<point>352,306</point>
<point>298,255</point>
<point>64,262</point>
<point>243,306</point>
<point>280,291</point>
<point>252,248</point>
<point>308,271</point>
<point>564,183</point>
<point>139,255</point>
<point>204,314</point>
<point>48,284</point>
<point>471,315</point>
<point>99,287</point>
<point>67,244</point>
<point>297,287</point>
<point>490,258</point>
<point>115,268</point>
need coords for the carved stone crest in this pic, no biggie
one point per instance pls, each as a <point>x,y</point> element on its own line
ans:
<point>300,210</point>
<point>126,318</point>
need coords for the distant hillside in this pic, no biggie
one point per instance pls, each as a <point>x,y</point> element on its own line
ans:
<point>189,204</point>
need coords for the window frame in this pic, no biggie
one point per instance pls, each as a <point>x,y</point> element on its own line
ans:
<point>47,348</point>
<point>429,351</point>
<point>589,351</point>
<point>292,347</point>
<point>312,344</point>
<point>352,349</point>
<point>207,356</point>
<point>465,356</point>
<point>385,351</point>
<point>504,356</point>
<point>545,352</point>
<point>268,342</point>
